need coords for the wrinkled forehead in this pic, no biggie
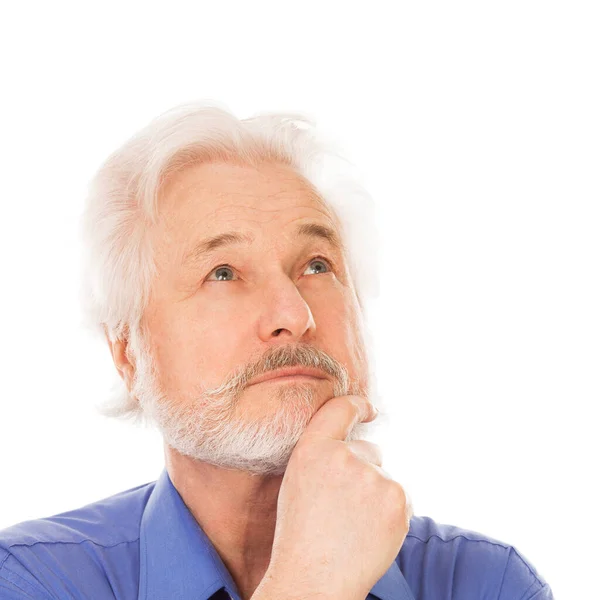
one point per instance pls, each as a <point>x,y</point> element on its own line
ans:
<point>215,194</point>
<point>210,200</point>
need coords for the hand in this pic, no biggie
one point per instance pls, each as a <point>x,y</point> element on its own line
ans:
<point>341,521</point>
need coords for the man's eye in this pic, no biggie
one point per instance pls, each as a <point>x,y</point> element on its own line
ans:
<point>322,262</point>
<point>221,273</point>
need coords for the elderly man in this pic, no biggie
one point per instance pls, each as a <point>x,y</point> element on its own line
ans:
<point>227,270</point>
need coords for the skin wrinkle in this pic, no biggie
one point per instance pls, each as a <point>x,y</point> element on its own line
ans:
<point>227,443</point>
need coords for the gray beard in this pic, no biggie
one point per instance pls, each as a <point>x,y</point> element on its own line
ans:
<point>211,427</point>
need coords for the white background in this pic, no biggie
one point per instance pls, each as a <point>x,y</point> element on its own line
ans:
<point>475,126</point>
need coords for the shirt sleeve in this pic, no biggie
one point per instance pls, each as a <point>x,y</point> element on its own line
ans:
<point>521,581</point>
<point>16,583</point>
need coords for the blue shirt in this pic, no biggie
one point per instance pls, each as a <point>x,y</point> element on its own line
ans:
<point>145,544</point>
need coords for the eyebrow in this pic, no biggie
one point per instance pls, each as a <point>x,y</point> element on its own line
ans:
<point>223,240</point>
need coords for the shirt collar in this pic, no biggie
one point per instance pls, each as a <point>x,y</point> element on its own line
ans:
<point>177,560</point>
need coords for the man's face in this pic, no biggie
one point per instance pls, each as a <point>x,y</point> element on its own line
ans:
<point>218,318</point>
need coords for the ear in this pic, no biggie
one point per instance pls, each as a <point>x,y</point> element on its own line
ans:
<point>120,355</point>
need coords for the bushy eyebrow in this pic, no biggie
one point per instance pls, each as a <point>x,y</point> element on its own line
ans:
<point>212,244</point>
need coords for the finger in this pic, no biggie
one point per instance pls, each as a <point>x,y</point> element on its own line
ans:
<point>337,416</point>
<point>367,451</point>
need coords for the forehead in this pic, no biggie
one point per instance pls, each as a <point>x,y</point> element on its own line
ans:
<point>214,197</point>
<point>218,189</point>
<point>211,198</point>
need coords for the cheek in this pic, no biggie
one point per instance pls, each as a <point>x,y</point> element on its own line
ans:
<point>338,324</point>
<point>222,341</point>
<point>194,352</point>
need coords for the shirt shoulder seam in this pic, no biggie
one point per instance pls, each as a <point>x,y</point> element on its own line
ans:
<point>529,567</point>
<point>526,594</point>
<point>28,545</point>
<point>508,547</point>
<point>536,581</point>
<point>544,588</point>
<point>460,535</point>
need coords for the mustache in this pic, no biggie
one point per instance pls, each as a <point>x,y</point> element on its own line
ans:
<point>290,355</point>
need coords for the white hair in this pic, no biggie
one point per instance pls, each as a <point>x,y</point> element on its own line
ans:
<point>118,265</point>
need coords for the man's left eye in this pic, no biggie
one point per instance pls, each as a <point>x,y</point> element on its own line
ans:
<point>318,261</point>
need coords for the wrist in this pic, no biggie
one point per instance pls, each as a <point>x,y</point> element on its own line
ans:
<point>273,586</point>
<point>277,586</point>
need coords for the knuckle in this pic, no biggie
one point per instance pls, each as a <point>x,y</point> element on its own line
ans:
<point>351,406</point>
<point>342,456</point>
<point>396,494</point>
<point>349,409</point>
<point>371,477</point>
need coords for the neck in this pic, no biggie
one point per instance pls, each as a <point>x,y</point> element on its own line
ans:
<point>235,509</point>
